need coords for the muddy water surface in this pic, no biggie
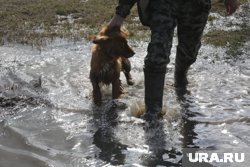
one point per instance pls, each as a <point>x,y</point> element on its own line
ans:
<point>47,117</point>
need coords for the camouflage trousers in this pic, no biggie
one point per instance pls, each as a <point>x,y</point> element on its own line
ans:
<point>190,17</point>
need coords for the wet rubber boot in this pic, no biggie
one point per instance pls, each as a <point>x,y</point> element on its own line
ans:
<point>154,85</point>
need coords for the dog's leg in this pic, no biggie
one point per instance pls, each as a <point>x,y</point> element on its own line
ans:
<point>117,88</point>
<point>97,96</point>
<point>126,65</point>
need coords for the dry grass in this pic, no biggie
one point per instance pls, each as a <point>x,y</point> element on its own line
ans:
<point>234,40</point>
<point>30,21</point>
<point>36,21</point>
<point>218,6</point>
<point>33,21</point>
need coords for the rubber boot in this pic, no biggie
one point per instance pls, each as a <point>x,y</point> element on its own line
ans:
<point>182,64</point>
<point>180,74</point>
<point>154,85</point>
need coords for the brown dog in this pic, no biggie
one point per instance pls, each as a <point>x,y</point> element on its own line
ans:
<point>110,55</point>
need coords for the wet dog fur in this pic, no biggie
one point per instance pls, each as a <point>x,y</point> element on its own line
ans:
<point>110,54</point>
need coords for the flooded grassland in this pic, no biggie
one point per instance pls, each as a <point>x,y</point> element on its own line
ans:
<point>47,117</point>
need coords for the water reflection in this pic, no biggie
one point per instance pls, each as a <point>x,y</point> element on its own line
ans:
<point>156,137</point>
<point>188,125</point>
<point>188,128</point>
<point>30,103</point>
<point>111,150</point>
<point>156,140</point>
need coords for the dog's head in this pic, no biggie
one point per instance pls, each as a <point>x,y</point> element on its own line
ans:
<point>114,42</point>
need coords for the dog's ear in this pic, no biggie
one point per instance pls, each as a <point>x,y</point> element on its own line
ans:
<point>99,39</point>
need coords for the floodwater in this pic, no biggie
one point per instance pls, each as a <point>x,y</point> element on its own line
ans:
<point>47,117</point>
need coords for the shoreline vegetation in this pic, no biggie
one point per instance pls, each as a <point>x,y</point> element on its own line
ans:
<point>34,22</point>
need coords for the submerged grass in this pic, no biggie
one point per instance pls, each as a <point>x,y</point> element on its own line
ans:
<point>36,21</point>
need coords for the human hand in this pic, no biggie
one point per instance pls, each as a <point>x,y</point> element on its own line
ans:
<point>115,21</point>
<point>231,6</point>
